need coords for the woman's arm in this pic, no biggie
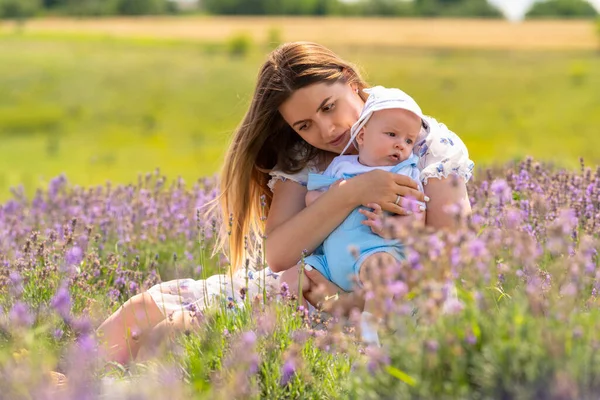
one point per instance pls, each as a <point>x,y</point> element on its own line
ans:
<point>446,192</point>
<point>292,227</point>
<point>312,195</point>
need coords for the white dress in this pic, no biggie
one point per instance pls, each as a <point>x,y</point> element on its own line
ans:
<point>441,153</point>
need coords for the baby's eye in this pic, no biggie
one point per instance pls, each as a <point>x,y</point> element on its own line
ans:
<point>328,107</point>
<point>409,141</point>
<point>390,134</point>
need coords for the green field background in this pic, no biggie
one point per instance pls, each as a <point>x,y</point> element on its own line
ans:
<point>101,109</point>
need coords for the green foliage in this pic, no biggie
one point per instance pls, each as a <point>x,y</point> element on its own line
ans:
<point>456,8</point>
<point>141,7</point>
<point>19,121</point>
<point>19,9</point>
<point>475,8</point>
<point>274,38</point>
<point>101,109</point>
<point>239,45</point>
<point>478,8</point>
<point>562,9</point>
<point>427,8</point>
<point>267,7</point>
<point>111,7</point>
<point>578,73</point>
<point>86,8</point>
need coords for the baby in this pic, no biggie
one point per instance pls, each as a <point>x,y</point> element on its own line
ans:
<point>385,135</point>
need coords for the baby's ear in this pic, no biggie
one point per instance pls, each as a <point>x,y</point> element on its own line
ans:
<point>360,138</point>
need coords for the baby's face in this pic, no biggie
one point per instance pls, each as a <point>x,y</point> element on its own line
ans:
<point>388,137</point>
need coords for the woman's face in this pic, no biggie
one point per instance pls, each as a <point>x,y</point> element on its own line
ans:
<point>322,114</point>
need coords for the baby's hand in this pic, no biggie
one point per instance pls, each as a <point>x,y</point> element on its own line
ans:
<point>374,218</point>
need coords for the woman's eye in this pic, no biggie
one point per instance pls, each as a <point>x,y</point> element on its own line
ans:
<point>303,127</point>
<point>329,107</point>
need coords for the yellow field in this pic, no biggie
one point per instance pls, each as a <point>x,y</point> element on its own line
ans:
<point>419,33</point>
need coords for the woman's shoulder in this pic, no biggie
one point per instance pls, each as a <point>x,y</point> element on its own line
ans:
<point>441,152</point>
<point>301,177</point>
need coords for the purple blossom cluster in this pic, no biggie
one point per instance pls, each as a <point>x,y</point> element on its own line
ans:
<point>517,278</point>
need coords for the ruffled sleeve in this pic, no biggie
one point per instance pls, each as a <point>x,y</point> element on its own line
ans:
<point>300,177</point>
<point>441,153</point>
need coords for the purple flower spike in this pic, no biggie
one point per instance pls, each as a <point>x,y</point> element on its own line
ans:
<point>398,289</point>
<point>249,338</point>
<point>288,370</point>
<point>501,190</point>
<point>61,302</point>
<point>74,256</point>
<point>20,315</point>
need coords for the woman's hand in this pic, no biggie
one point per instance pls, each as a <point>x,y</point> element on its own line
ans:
<point>383,188</point>
<point>330,297</point>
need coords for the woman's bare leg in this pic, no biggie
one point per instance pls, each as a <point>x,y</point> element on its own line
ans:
<point>123,332</point>
<point>178,322</point>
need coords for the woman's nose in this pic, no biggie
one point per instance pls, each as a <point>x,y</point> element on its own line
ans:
<point>327,127</point>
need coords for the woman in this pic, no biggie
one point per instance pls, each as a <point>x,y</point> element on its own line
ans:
<point>305,102</point>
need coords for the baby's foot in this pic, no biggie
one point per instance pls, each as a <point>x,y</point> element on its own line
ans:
<point>368,329</point>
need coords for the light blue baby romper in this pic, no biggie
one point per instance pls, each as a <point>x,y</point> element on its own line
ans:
<point>334,258</point>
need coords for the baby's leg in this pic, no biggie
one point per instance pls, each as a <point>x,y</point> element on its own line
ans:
<point>369,272</point>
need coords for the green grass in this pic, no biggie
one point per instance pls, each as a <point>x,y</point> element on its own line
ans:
<point>99,108</point>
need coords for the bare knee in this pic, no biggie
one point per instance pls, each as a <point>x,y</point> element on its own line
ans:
<point>293,279</point>
<point>138,314</point>
<point>290,278</point>
<point>371,268</point>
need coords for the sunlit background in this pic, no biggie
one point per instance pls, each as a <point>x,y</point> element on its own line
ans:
<point>99,91</point>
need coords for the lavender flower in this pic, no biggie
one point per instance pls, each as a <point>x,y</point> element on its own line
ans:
<point>74,256</point>
<point>288,370</point>
<point>61,302</point>
<point>20,315</point>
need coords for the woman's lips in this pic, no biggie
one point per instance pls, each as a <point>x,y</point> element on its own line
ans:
<point>338,140</point>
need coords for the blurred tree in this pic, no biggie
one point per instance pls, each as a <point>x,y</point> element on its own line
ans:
<point>19,10</point>
<point>456,8</point>
<point>388,8</point>
<point>52,3</point>
<point>92,8</point>
<point>471,8</point>
<point>142,7</point>
<point>427,8</point>
<point>562,9</point>
<point>233,7</point>
<point>111,7</point>
<point>270,7</point>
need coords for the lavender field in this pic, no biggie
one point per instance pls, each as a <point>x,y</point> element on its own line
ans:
<point>505,307</point>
